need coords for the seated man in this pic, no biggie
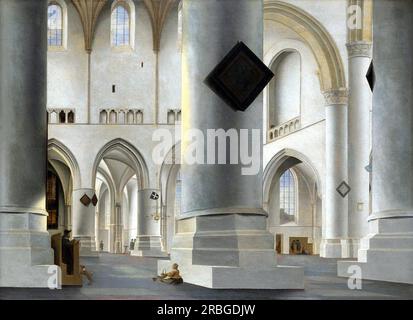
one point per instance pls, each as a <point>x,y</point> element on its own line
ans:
<point>172,277</point>
<point>67,251</point>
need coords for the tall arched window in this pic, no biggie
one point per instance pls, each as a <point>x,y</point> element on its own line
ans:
<point>121,25</point>
<point>288,197</point>
<point>55,25</point>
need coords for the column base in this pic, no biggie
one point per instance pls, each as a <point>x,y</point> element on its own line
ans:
<point>354,246</point>
<point>386,254</point>
<point>148,246</point>
<point>26,256</point>
<point>335,248</point>
<point>230,252</point>
<point>220,277</point>
<point>39,276</point>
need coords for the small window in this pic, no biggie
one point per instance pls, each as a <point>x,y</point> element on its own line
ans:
<point>171,117</point>
<point>71,117</point>
<point>120,25</point>
<point>62,117</point>
<point>55,25</point>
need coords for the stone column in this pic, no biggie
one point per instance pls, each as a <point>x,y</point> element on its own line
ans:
<point>118,227</point>
<point>148,240</point>
<point>221,240</point>
<point>83,221</point>
<point>360,101</point>
<point>386,254</point>
<point>68,216</point>
<point>25,251</point>
<point>335,243</point>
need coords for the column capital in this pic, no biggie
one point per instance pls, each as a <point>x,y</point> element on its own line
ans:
<point>359,49</point>
<point>336,96</point>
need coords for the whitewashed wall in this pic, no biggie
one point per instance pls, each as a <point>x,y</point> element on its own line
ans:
<point>135,84</point>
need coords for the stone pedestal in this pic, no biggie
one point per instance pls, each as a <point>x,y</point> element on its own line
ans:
<point>360,101</point>
<point>25,252</point>
<point>231,251</point>
<point>335,243</point>
<point>83,221</point>
<point>222,240</point>
<point>148,240</point>
<point>386,253</point>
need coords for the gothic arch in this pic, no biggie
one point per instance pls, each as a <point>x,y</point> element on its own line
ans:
<point>332,76</point>
<point>137,161</point>
<point>170,166</point>
<point>167,182</point>
<point>277,161</point>
<point>58,151</point>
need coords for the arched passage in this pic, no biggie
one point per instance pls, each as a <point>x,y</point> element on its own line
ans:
<point>170,171</point>
<point>64,165</point>
<point>129,154</point>
<point>122,168</point>
<point>292,198</point>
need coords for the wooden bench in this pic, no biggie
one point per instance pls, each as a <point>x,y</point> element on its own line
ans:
<point>74,279</point>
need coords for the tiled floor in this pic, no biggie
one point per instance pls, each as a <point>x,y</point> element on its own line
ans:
<point>125,277</point>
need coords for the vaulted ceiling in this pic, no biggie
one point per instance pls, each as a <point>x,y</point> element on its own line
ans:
<point>89,11</point>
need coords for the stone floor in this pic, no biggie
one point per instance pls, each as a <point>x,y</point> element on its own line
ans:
<point>125,277</point>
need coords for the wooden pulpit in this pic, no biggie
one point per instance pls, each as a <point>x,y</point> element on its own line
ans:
<point>75,278</point>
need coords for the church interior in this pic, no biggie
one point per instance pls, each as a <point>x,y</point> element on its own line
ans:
<point>91,89</point>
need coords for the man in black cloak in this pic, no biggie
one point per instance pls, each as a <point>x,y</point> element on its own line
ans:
<point>67,251</point>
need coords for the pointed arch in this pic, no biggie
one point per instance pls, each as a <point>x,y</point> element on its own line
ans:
<point>137,160</point>
<point>169,167</point>
<point>313,33</point>
<point>58,151</point>
<point>275,164</point>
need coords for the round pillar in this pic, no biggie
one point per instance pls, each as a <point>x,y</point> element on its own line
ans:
<point>83,221</point>
<point>386,253</point>
<point>148,239</point>
<point>335,243</point>
<point>360,102</point>
<point>68,217</point>
<point>25,250</point>
<point>221,239</point>
<point>118,227</point>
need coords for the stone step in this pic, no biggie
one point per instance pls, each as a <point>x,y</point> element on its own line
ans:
<point>387,241</point>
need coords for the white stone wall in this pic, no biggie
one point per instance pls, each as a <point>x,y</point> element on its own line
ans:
<point>67,71</point>
<point>332,14</point>
<point>169,67</point>
<point>135,84</point>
